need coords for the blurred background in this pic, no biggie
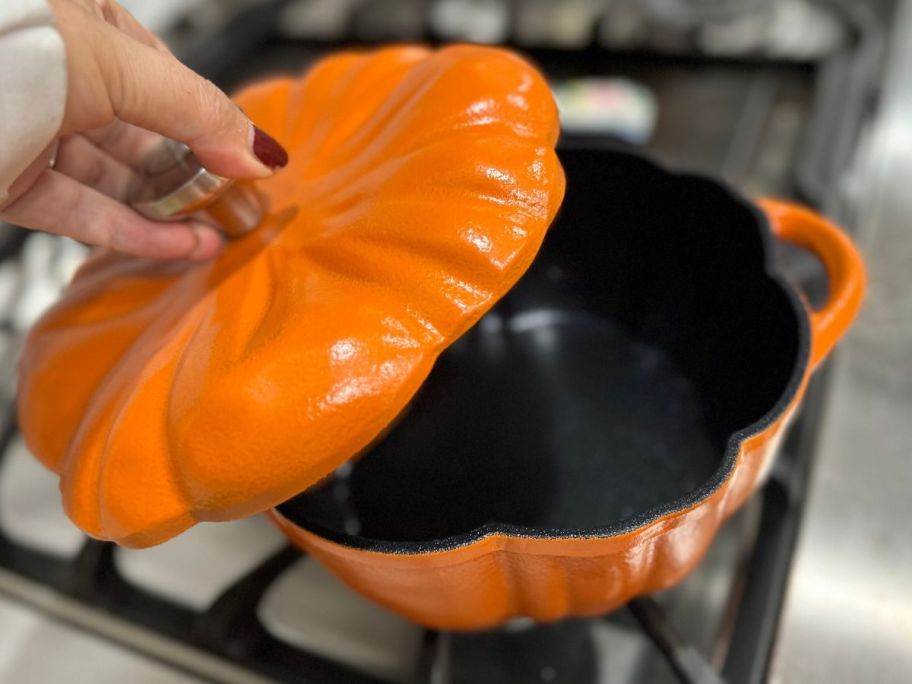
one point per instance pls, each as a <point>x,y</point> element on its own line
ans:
<point>808,99</point>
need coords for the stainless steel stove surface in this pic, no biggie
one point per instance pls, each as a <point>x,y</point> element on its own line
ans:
<point>232,602</point>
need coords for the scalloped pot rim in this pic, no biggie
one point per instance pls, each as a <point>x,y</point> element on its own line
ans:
<point>727,467</point>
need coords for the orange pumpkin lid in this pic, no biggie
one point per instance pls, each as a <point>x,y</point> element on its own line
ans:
<point>419,190</point>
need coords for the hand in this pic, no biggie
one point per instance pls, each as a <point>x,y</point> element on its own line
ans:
<point>125,91</point>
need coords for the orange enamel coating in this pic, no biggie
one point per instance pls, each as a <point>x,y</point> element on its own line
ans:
<point>844,267</point>
<point>499,577</point>
<point>419,190</point>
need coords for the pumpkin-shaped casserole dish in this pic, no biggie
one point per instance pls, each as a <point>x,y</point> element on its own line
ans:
<point>581,445</point>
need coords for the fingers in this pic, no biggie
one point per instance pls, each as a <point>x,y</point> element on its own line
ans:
<point>113,75</point>
<point>62,205</point>
<point>79,159</point>
<point>158,93</point>
<point>124,83</point>
<point>128,144</point>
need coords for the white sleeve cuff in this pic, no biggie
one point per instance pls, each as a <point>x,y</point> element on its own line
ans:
<point>32,85</point>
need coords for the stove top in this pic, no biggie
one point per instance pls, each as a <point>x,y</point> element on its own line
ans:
<point>233,602</point>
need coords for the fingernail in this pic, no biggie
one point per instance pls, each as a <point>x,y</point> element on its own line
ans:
<point>268,151</point>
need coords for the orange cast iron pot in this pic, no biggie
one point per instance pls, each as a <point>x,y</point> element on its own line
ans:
<point>585,441</point>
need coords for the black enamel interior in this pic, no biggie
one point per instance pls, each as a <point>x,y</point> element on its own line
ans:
<point>607,385</point>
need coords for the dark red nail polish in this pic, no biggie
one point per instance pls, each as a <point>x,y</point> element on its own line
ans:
<point>268,151</point>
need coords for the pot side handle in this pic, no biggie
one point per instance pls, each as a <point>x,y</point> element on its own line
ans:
<point>842,261</point>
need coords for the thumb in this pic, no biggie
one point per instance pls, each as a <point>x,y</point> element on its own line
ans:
<point>155,91</point>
